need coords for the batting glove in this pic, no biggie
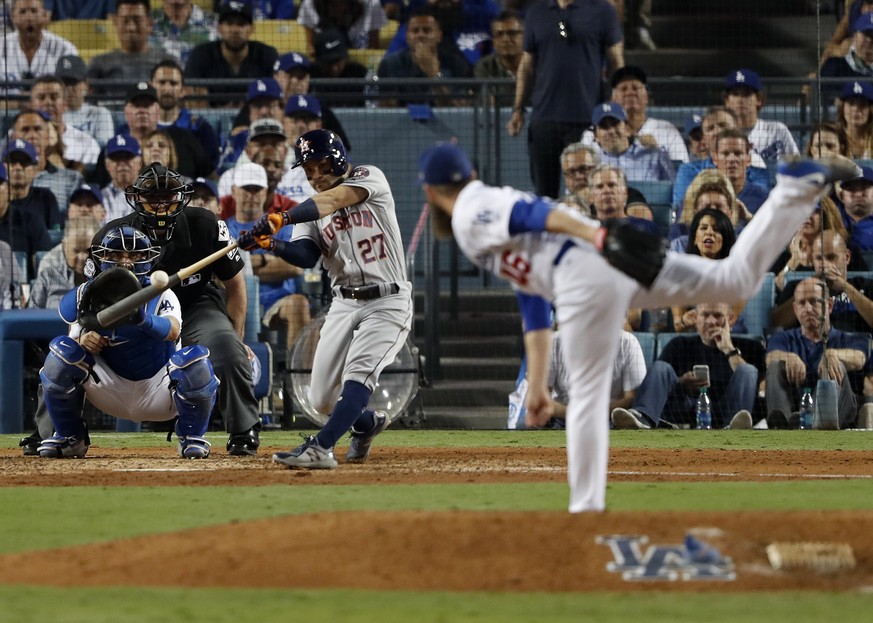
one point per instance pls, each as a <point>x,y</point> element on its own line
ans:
<point>638,254</point>
<point>247,241</point>
<point>268,224</point>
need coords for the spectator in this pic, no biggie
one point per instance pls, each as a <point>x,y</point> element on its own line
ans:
<point>79,9</point>
<point>33,127</point>
<point>715,120</point>
<point>857,63</point>
<point>609,197</point>
<point>263,101</point>
<point>694,133</point>
<point>169,84</point>
<point>465,25</point>
<point>851,307</point>
<point>711,236</point>
<point>204,194</point>
<point>234,55</point>
<point>271,158</point>
<point>302,114</point>
<point>158,147</point>
<point>732,156</point>
<point>86,202</point>
<point>80,149</point>
<point>855,119</point>
<point>827,140</point>
<point>630,91</point>
<point>268,9</point>
<point>857,198</point>
<point>561,74</point>
<point>618,146</point>
<point>21,160</point>
<point>10,274</point>
<point>279,290</point>
<point>796,358</point>
<point>332,61</point>
<point>507,31</point>
<point>743,94</point>
<point>710,189</point>
<point>842,37</point>
<point>31,51</point>
<point>63,268</point>
<point>292,72</point>
<point>23,231</point>
<point>133,61</point>
<point>423,59</point>
<point>96,121</point>
<point>142,112</point>
<point>123,162</point>
<point>358,22</point>
<point>670,390</point>
<point>179,26</point>
<point>577,163</point>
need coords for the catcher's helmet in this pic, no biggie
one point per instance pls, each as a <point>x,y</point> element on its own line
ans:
<point>158,195</point>
<point>320,144</point>
<point>130,240</point>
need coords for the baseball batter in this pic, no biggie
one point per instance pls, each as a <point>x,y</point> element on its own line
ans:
<point>350,222</point>
<point>549,252</point>
<point>134,371</point>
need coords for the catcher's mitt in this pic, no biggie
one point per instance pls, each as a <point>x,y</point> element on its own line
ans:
<point>109,287</point>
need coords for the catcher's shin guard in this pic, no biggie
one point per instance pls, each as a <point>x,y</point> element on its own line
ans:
<point>195,387</point>
<point>65,370</point>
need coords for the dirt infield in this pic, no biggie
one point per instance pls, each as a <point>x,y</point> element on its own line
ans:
<point>506,551</point>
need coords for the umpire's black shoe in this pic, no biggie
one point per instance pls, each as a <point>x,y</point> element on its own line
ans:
<point>30,444</point>
<point>245,443</point>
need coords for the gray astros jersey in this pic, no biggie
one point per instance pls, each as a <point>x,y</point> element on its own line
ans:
<point>361,244</point>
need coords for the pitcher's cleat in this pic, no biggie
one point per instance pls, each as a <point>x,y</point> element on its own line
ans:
<point>819,173</point>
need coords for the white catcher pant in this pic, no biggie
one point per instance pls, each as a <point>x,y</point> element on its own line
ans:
<point>592,300</point>
<point>138,401</point>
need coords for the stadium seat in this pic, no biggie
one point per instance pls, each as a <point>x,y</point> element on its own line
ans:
<point>660,197</point>
<point>94,35</point>
<point>368,58</point>
<point>756,313</point>
<point>647,343</point>
<point>386,34</point>
<point>285,35</point>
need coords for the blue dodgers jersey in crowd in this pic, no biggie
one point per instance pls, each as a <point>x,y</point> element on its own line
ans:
<point>131,353</point>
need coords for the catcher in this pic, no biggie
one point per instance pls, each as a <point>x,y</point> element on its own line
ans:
<point>132,370</point>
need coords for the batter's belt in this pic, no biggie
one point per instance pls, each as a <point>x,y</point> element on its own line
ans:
<point>368,292</point>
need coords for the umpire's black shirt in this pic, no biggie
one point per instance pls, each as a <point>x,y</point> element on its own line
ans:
<point>198,233</point>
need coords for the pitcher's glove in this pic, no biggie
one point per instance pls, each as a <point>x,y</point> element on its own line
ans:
<point>269,224</point>
<point>638,254</point>
<point>107,288</point>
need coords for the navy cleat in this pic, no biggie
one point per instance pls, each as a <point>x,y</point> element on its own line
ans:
<point>359,444</point>
<point>819,173</point>
<point>309,455</point>
<point>59,447</point>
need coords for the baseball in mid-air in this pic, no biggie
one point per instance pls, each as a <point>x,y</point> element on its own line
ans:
<point>160,278</point>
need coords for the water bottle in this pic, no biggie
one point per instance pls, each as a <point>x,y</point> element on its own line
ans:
<point>806,409</point>
<point>704,411</point>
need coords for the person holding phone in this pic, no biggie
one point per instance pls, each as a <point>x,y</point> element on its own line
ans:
<point>730,367</point>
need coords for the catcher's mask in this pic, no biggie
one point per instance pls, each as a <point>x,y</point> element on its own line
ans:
<point>128,248</point>
<point>158,195</point>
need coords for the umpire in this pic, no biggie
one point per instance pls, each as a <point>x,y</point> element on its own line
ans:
<point>209,317</point>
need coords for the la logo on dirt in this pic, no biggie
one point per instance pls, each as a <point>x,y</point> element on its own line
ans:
<point>671,563</point>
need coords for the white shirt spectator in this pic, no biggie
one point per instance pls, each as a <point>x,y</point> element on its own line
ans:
<point>115,202</point>
<point>293,184</point>
<point>665,133</point>
<point>51,48</point>
<point>96,121</point>
<point>772,140</point>
<point>80,147</point>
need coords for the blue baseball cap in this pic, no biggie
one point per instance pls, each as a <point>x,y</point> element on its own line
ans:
<point>857,88</point>
<point>693,122</point>
<point>303,104</point>
<point>205,183</point>
<point>743,78</point>
<point>866,177</point>
<point>87,189</point>
<point>608,109</point>
<point>122,144</point>
<point>20,146</point>
<point>444,164</point>
<point>264,88</point>
<point>864,23</point>
<point>292,60</point>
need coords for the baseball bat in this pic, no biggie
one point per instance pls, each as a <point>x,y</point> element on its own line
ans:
<point>125,306</point>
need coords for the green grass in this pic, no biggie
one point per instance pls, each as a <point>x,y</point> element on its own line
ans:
<point>38,518</point>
